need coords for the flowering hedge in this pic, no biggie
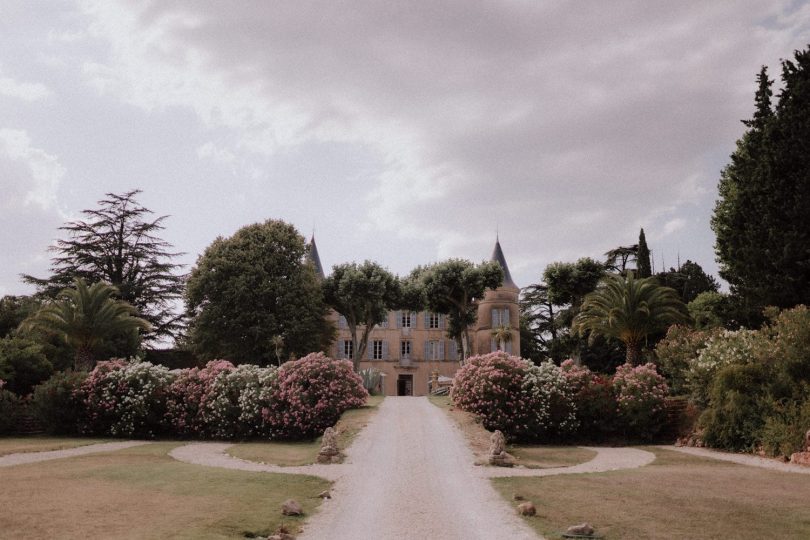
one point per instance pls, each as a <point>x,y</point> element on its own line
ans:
<point>640,393</point>
<point>131,398</point>
<point>594,399</point>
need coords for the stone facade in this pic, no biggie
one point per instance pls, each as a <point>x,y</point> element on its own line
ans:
<point>409,347</point>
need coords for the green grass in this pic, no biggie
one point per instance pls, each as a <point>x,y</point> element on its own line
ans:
<point>289,454</point>
<point>544,457</point>
<point>676,497</point>
<point>42,443</point>
<point>143,493</point>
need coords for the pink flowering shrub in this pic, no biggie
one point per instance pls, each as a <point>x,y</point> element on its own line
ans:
<point>188,396</point>
<point>640,393</point>
<point>125,398</point>
<point>310,395</point>
<point>593,395</point>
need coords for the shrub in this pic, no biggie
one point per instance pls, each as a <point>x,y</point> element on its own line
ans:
<point>594,399</point>
<point>56,402</point>
<point>784,429</point>
<point>554,414</point>
<point>9,410</point>
<point>125,398</point>
<point>677,351</point>
<point>640,393</point>
<point>234,405</point>
<point>723,349</point>
<point>23,365</point>
<point>311,394</point>
<point>371,380</point>
<point>188,396</point>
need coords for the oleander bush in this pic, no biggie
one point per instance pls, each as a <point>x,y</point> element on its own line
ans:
<point>723,349</point>
<point>594,400</point>
<point>552,402</point>
<point>677,351</point>
<point>640,393</point>
<point>188,397</point>
<point>310,395</point>
<point>57,404</point>
<point>233,407</point>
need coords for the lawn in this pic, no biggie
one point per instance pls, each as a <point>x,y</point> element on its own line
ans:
<point>676,497</point>
<point>41,443</point>
<point>143,493</point>
<point>288,454</point>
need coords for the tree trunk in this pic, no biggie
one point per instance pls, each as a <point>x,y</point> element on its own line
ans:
<point>83,359</point>
<point>465,346</point>
<point>633,356</point>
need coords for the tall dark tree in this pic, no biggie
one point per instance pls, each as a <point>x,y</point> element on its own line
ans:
<point>761,218</point>
<point>363,294</point>
<point>689,280</point>
<point>644,269</point>
<point>118,243</point>
<point>617,259</point>
<point>247,290</point>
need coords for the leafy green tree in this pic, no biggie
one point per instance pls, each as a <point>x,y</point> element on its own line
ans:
<point>618,259</point>
<point>454,287</point>
<point>23,364</point>
<point>644,269</point>
<point>118,243</point>
<point>255,285</point>
<point>85,318</point>
<point>689,280</point>
<point>14,310</point>
<point>761,218</point>
<point>363,294</point>
<point>629,309</point>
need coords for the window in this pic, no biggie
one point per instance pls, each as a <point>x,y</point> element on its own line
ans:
<point>500,317</point>
<point>377,349</point>
<point>405,319</point>
<point>434,350</point>
<point>348,349</point>
<point>434,321</point>
<point>405,350</point>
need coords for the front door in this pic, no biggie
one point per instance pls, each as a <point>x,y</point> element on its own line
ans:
<point>405,385</point>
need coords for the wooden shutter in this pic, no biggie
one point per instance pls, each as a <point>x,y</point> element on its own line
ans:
<point>370,350</point>
<point>495,315</point>
<point>398,315</point>
<point>452,350</point>
<point>441,350</point>
<point>339,351</point>
<point>493,345</point>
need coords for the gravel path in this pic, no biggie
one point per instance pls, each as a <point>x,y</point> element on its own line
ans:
<point>607,459</point>
<point>742,459</point>
<point>413,477</point>
<point>34,457</point>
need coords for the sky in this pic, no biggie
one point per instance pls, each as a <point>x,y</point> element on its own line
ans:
<point>400,132</point>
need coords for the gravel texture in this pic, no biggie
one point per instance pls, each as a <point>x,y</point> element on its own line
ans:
<point>606,459</point>
<point>742,459</point>
<point>33,457</point>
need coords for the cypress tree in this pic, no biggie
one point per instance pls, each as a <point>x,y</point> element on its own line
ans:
<point>643,257</point>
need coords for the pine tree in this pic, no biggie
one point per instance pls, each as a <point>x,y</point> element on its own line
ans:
<point>761,218</point>
<point>117,243</point>
<point>643,257</point>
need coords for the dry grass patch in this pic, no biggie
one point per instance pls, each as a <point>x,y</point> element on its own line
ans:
<point>42,443</point>
<point>675,497</point>
<point>143,493</point>
<point>292,454</point>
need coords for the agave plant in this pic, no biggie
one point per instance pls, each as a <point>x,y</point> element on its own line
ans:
<point>629,310</point>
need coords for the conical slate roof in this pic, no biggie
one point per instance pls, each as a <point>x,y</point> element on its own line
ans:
<point>314,258</point>
<point>497,256</point>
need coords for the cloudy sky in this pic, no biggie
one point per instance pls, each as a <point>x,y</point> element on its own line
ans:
<point>400,132</point>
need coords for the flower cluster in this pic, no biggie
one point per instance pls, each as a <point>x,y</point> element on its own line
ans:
<point>593,395</point>
<point>552,401</point>
<point>726,348</point>
<point>640,392</point>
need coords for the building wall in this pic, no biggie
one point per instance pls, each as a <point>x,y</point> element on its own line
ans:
<point>441,356</point>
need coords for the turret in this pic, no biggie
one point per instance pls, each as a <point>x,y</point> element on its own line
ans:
<point>314,258</point>
<point>498,308</point>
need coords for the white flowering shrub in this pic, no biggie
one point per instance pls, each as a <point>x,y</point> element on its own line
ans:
<point>237,399</point>
<point>727,348</point>
<point>554,412</point>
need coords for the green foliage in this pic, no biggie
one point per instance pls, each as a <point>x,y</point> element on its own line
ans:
<point>57,405</point>
<point>13,311</point>
<point>453,287</point>
<point>117,243</point>
<point>88,319</point>
<point>253,286</point>
<point>784,430</point>
<point>678,351</point>
<point>629,309</point>
<point>9,410</point>
<point>363,294</point>
<point>720,350</point>
<point>644,268</point>
<point>761,218</point>
<point>689,280</point>
<point>23,365</point>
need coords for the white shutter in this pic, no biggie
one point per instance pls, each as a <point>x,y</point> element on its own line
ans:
<point>398,315</point>
<point>339,351</point>
<point>385,353</point>
<point>493,345</point>
<point>505,318</point>
<point>496,315</point>
<point>441,350</point>
<point>370,350</point>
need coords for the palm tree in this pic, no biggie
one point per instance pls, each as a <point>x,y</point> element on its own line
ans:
<point>629,309</point>
<point>502,335</point>
<point>85,317</point>
<point>278,344</point>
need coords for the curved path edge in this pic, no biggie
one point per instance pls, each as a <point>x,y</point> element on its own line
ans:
<point>22,458</point>
<point>740,459</point>
<point>606,459</point>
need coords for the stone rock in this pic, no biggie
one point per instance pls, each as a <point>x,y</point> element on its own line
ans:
<point>291,508</point>
<point>324,495</point>
<point>498,455</point>
<point>583,529</point>
<point>526,509</point>
<point>518,497</point>
<point>800,458</point>
<point>807,441</point>
<point>329,452</point>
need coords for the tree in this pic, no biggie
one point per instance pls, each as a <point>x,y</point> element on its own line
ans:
<point>617,260</point>
<point>643,257</point>
<point>23,364</point>
<point>629,309</point>
<point>689,280</point>
<point>85,317</point>
<point>251,287</point>
<point>760,218</point>
<point>502,335</point>
<point>118,243</point>
<point>454,287</point>
<point>13,311</point>
<point>363,294</point>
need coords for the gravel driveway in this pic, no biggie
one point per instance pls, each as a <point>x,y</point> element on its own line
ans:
<point>413,477</point>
